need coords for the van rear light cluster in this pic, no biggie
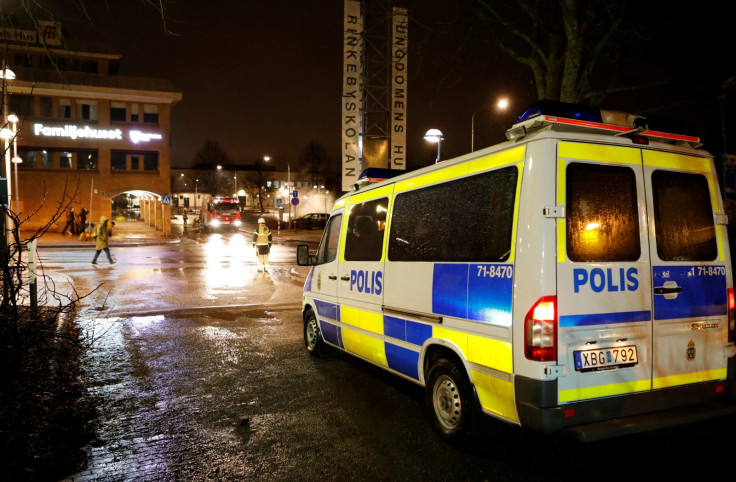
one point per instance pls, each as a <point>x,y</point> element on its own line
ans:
<point>731,317</point>
<point>540,330</point>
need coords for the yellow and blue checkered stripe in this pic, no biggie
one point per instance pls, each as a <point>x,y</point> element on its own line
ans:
<point>396,343</point>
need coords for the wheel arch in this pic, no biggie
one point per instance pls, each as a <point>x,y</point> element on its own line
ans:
<point>434,350</point>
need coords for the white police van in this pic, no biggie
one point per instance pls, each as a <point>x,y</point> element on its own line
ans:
<point>575,279</point>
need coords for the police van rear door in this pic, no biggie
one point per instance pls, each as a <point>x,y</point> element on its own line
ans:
<point>688,253</point>
<point>603,273</point>
<point>642,277</point>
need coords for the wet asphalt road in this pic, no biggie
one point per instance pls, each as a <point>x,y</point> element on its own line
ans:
<point>199,373</point>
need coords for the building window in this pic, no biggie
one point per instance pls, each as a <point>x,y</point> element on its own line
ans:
<point>47,106</point>
<point>29,159</point>
<point>89,66</point>
<point>150,113</point>
<point>117,112</point>
<point>117,161</point>
<point>134,163</point>
<point>65,160</point>
<point>87,160</point>
<point>134,113</point>
<point>65,108</point>
<point>150,161</point>
<point>21,104</point>
<point>87,109</point>
<point>47,159</point>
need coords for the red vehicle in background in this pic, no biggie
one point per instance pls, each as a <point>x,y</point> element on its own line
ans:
<point>222,212</point>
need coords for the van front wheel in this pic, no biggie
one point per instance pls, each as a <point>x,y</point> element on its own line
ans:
<point>448,399</point>
<point>312,336</point>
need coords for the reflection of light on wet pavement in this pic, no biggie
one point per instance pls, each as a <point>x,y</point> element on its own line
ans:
<point>220,340</point>
<point>226,261</point>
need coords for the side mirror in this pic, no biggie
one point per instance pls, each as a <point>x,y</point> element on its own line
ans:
<point>302,256</point>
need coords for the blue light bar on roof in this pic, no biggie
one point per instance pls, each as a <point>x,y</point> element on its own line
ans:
<point>561,109</point>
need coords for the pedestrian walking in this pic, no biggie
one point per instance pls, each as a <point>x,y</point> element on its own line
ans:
<point>81,221</point>
<point>70,221</point>
<point>101,241</point>
<point>262,243</point>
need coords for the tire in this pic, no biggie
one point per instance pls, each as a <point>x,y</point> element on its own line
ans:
<point>312,335</point>
<point>449,400</point>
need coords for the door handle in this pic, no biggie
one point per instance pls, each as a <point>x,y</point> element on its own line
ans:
<point>670,290</point>
<point>345,278</point>
<point>332,277</point>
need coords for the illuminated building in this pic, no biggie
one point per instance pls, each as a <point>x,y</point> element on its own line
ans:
<point>83,127</point>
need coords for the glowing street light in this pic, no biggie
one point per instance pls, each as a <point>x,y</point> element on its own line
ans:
<point>502,104</point>
<point>435,135</point>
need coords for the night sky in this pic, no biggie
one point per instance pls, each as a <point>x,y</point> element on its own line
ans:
<point>264,77</point>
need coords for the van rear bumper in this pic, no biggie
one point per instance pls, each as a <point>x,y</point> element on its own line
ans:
<point>609,417</point>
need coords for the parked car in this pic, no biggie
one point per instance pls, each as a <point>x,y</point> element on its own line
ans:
<point>311,221</point>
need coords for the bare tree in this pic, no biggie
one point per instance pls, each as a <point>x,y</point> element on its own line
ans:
<point>573,48</point>
<point>256,182</point>
<point>207,160</point>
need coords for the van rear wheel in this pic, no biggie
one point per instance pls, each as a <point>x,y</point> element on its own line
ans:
<point>312,336</point>
<point>449,401</point>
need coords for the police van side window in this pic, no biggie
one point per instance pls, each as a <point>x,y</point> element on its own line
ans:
<point>328,248</point>
<point>469,219</point>
<point>683,217</point>
<point>366,225</point>
<point>601,213</point>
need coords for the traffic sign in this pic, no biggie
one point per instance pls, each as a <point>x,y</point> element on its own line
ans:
<point>295,194</point>
<point>295,201</point>
<point>166,200</point>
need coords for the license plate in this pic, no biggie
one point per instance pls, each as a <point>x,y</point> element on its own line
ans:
<point>605,358</point>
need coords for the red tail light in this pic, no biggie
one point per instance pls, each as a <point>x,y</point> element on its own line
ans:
<point>731,317</point>
<point>540,330</point>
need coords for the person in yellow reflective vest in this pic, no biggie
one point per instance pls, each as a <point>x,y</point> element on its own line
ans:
<point>262,243</point>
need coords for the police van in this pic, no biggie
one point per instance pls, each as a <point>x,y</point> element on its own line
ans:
<point>576,278</point>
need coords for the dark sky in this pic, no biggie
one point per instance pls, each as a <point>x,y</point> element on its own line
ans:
<point>264,77</point>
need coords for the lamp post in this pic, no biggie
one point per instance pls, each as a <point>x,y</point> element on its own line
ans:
<point>502,104</point>
<point>5,75</point>
<point>16,159</point>
<point>435,135</point>
<point>196,185</point>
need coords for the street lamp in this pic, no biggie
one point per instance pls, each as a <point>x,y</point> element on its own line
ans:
<point>435,135</point>
<point>5,75</point>
<point>502,104</point>
<point>196,185</point>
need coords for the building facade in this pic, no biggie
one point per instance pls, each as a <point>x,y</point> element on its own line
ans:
<point>83,132</point>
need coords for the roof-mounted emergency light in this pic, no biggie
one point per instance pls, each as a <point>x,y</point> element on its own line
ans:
<point>583,118</point>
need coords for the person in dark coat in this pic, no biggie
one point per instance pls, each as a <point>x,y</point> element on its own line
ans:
<point>82,218</point>
<point>70,222</point>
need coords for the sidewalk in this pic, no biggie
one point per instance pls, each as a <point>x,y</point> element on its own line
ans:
<point>137,233</point>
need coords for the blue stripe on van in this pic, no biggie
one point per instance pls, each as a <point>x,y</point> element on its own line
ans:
<point>327,310</point>
<point>405,330</point>
<point>402,360</point>
<point>605,318</point>
<point>308,281</point>
<point>704,292</point>
<point>418,333</point>
<point>481,292</point>
<point>394,327</point>
<point>331,333</point>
